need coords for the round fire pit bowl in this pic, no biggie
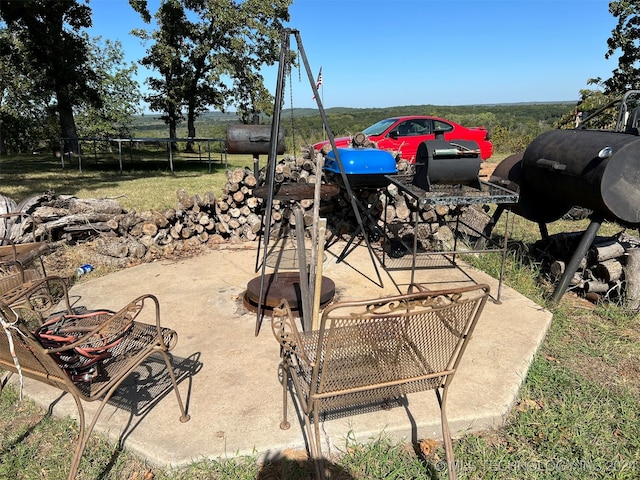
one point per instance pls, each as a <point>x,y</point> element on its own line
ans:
<point>283,285</point>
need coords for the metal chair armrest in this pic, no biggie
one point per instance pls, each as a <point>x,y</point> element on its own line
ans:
<point>25,290</point>
<point>286,332</point>
<point>110,324</point>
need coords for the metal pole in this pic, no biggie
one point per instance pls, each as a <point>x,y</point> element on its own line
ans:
<point>170,154</point>
<point>271,164</point>
<point>585,242</point>
<point>332,141</point>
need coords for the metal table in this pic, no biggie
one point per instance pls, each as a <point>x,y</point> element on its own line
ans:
<point>458,195</point>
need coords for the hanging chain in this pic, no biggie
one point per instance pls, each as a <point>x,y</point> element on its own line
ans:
<point>293,128</point>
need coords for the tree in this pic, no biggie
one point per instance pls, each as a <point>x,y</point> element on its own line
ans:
<point>626,38</point>
<point>257,45</point>
<point>119,92</point>
<point>166,56</point>
<point>25,116</point>
<point>50,34</point>
<point>203,45</point>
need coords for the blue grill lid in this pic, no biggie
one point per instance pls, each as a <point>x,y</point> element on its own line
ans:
<point>362,161</point>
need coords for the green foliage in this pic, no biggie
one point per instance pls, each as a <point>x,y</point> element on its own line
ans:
<point>209,55</point>
<point>51,71</point>
<point>511,126</point>
<point>118,91</point>
<point>625,37</point>
<point>54,56</point>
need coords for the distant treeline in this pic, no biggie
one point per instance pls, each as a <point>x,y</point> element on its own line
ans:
<point>511,126</point>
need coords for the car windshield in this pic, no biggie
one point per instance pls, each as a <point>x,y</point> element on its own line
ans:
<point>380,127</point>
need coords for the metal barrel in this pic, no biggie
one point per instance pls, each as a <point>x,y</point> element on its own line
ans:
<point>447,162</point>
<point>598,170</point>
<point>252,139</point>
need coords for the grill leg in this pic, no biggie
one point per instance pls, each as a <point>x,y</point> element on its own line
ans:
<point>585,242</point>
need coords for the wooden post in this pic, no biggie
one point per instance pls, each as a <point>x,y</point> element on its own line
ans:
<point>322,228</point>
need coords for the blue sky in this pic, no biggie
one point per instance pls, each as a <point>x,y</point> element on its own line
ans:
<point>381,53</point>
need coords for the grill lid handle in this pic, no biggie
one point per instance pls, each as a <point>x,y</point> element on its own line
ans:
<point>550,164</point>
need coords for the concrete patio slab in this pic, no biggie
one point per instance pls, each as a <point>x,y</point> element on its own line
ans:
<point>230,376</point>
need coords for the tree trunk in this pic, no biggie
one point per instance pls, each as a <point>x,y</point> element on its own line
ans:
<point>191,125</point>
<point>67,121</point>
<point>3,149</point>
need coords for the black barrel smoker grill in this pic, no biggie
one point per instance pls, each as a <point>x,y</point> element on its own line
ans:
<point>560,169</point>
<point>447,163</point>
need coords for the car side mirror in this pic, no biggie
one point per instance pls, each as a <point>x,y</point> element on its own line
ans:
<point>394,134</point>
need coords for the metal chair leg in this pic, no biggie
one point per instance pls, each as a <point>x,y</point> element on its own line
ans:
<point>314,444</point>
<point>284,424</point>
<point>446,435</point>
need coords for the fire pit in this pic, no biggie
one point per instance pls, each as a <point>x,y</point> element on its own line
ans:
<point>283,285</point>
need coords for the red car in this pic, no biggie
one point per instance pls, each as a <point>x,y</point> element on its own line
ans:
<point>404,134</point>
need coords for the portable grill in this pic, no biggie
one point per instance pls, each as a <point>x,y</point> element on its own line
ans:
<point>449,163</point>
<point>364,167</point>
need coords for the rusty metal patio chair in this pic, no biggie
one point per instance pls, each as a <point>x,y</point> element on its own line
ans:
<point>367,353</point>
<point>20,256</point>
<point>124,344</point>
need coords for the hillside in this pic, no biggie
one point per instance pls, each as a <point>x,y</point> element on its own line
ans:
<point>524,120</point>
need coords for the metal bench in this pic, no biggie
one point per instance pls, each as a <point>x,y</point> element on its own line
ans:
<point>129,342</point>
<point>368,353</point>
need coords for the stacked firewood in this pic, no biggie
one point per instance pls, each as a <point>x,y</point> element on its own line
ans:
<point>609,270</point>
<point>198,221</point>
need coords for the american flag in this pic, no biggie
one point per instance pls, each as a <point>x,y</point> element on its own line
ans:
<point>318,82</point>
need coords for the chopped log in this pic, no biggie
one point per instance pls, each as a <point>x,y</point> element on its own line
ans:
<point>609,270</point>
<point>43,230</point>
<point>186,232</point>
<point>147,228</point>
<point>250,180</point>
<point>254,223</point>
<point>209,198</point>
<point>236,175</point>
<point>175,230</point>
<point>107,260</point>
<point>595,286</point>
<point>429,215</point>
<point>184,199</point>
<point>111,248</point>
<point>238,196</point>
<point>557,268</point>
<point>135,249</point>
<point>632,278</point>
<point>252,202</point>
<point>94,205</point>
<point>95,227</point>
<point>231,187</point>
<point>442,210</point>
<point>306,203</point>
<point>402,210</point>
<point>204,219</point>
<point>602,252</point>
<point>222,227</point>
<point>390,214</point>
